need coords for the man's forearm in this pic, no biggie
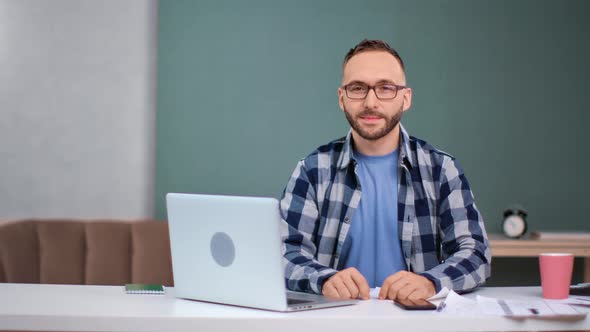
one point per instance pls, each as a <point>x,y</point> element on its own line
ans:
<point>464,270</point>
<point>304,274</point>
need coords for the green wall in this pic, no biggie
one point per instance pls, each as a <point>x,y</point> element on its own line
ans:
<point>246,88</point>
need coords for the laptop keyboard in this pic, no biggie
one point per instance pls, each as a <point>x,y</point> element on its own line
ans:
<point>296,301</point>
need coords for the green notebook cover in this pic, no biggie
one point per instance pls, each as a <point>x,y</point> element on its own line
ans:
<point>144,289</point>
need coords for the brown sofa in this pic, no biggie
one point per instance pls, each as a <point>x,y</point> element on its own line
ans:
<point>101,252</point>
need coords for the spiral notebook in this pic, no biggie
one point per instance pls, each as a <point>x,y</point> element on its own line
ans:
<point>144,289</point>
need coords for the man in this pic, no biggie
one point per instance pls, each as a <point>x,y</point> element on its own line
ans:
<point>380,208</point>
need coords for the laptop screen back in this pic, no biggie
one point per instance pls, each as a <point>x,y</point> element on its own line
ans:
<point>227,249</point>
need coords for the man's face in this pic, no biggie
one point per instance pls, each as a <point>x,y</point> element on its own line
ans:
<point>373,118</point>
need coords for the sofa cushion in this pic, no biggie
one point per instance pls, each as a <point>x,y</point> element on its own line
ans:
<point>108,248</point>
<point>19,252</point>
<point>94,252</point>
<point>62,252</point>
<point>150,253</point>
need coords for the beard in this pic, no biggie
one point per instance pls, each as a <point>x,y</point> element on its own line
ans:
<point>373,135</point>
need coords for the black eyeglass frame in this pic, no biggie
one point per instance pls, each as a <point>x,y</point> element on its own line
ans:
<point>372,87</point>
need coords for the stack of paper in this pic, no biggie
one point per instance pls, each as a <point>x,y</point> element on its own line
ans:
<point>547,309</point>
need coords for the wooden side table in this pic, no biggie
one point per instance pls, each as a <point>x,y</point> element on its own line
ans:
<point>506,247</point>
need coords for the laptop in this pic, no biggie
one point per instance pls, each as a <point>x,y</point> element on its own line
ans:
<point>227,249</point>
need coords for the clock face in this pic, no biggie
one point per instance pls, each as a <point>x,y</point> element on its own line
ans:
<point>514,226</point>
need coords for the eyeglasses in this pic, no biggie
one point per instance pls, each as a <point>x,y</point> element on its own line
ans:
<point>382,91</point>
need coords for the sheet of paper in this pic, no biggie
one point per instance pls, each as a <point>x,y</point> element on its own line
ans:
<point>442,294</point>
<point>525,309</point>
<point>455,304</point>
<point>374,292</point>
<point>580,301</point>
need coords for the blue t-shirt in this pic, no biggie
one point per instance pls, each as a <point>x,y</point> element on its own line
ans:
<point>372,244</point>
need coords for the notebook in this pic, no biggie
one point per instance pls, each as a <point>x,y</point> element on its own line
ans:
<point>144,289</point>
<point>227,249</point>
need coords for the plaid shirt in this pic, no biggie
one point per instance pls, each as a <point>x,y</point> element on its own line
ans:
<point>441,231</point>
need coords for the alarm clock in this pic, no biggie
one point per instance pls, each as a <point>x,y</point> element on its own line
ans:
<point>514,224</point>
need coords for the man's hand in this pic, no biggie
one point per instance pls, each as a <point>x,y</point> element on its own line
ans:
<point>346,284</point>
<point>406,285</point>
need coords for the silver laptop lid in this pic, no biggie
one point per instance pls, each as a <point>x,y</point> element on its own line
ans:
<point>227,249</point>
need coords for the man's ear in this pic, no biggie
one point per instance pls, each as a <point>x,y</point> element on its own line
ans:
<point>341,98</point>
<point>407,99</point>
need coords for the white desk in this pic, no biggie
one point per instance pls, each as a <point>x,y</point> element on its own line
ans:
<point>108,308</point>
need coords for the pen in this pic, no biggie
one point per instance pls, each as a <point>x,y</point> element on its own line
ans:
<point>585,284</point>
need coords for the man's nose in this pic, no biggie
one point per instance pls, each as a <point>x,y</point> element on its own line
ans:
<point>371,101</point>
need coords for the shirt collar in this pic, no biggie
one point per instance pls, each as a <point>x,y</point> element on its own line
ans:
<point>405,152</point>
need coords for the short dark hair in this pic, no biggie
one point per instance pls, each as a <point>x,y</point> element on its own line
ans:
<point>372,45</point>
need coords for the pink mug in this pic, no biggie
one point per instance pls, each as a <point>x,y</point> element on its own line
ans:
<point>556,274</point>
